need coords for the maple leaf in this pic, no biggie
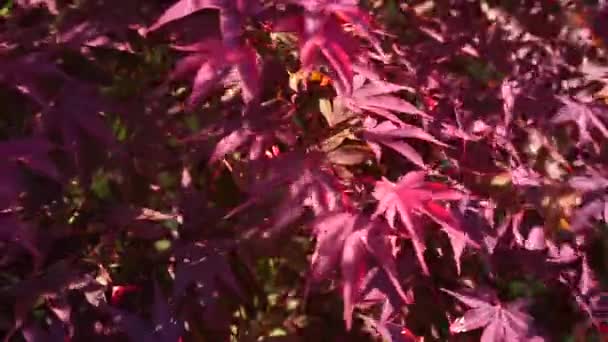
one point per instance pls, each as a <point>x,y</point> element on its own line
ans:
<point>390,332</point>
<point>588,282</point>
<point>206,266</point>
<point>353,269</point>
<point>35,333</point>
<point>253,136</point>
<point>212,60</point>
<point>346,11</point>
<point>33,153</point>
<point>583,217</point>
<point>230,143</point>
<point>337,53</point>
<point>501,322</point>
<point>164,328</point>
<point>290,162</point>
<point>330,230</point>
<point>100,26</point>
<point>320,31</point>
<point>348,239</point>
<point>19,155</point>
<point>71,109</point>
<point>232,14</point>
<point>52,284</point>
<point>584,286</point>
<point>62,98</point>
<point>75,115</point>
<point>51,5</point>
<point>303,179</point>
<point>374,97</point>
<point>536,239</point>
<point>597,307</point>
<point>410,198</point>
<point>562,254</point>
<point>389,135</point>
<point>317,189</point>
<point>584,115</point>
<point>595,207</point>
<point>314,189</point>
<point>13,230</point>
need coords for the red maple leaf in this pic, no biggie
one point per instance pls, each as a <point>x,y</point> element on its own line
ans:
<point>412,197</point>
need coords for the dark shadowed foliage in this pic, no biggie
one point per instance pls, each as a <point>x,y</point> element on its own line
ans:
<point>303,170</point>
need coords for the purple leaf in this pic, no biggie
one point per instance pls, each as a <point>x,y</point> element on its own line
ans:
<point>15,231</point>
<point>374,97</point>
<point>584,115</point>
<point>205,264</point>
<point>229,144</point>
<point>207,76</point>
<point>386,133</point>
<point>184,8</point>
<point>390,332</point>
<point>331,230</point>
<point>213,62</point>
<point>536,239</point>
<point>350,239</point>
<point>353,270</point>
<point>379,246</point>
<point>163,328</point>
<point>588,281</point>
<point>501,321</point>
<point>249,73</point>
<point>34,333</point>
<point>409,198</point>
<point>33,154</point>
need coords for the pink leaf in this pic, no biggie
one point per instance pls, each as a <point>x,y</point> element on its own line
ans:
<point>207,76</point>
<point>353,270</point>
<point>185,8</point>
<point>502,322</point>
<point>409,198</point>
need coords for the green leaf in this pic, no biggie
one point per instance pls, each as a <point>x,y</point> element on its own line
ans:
<point>120,130</point>
<point>101,185</point>
<point>192,123</point>
<point>277,332</point>
<point>162,245</point>
<point>171,224</point>
<point>166,179</point>
<point>6,9</point>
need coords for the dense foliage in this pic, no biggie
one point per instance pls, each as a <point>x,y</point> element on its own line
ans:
<point>303,170</point>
